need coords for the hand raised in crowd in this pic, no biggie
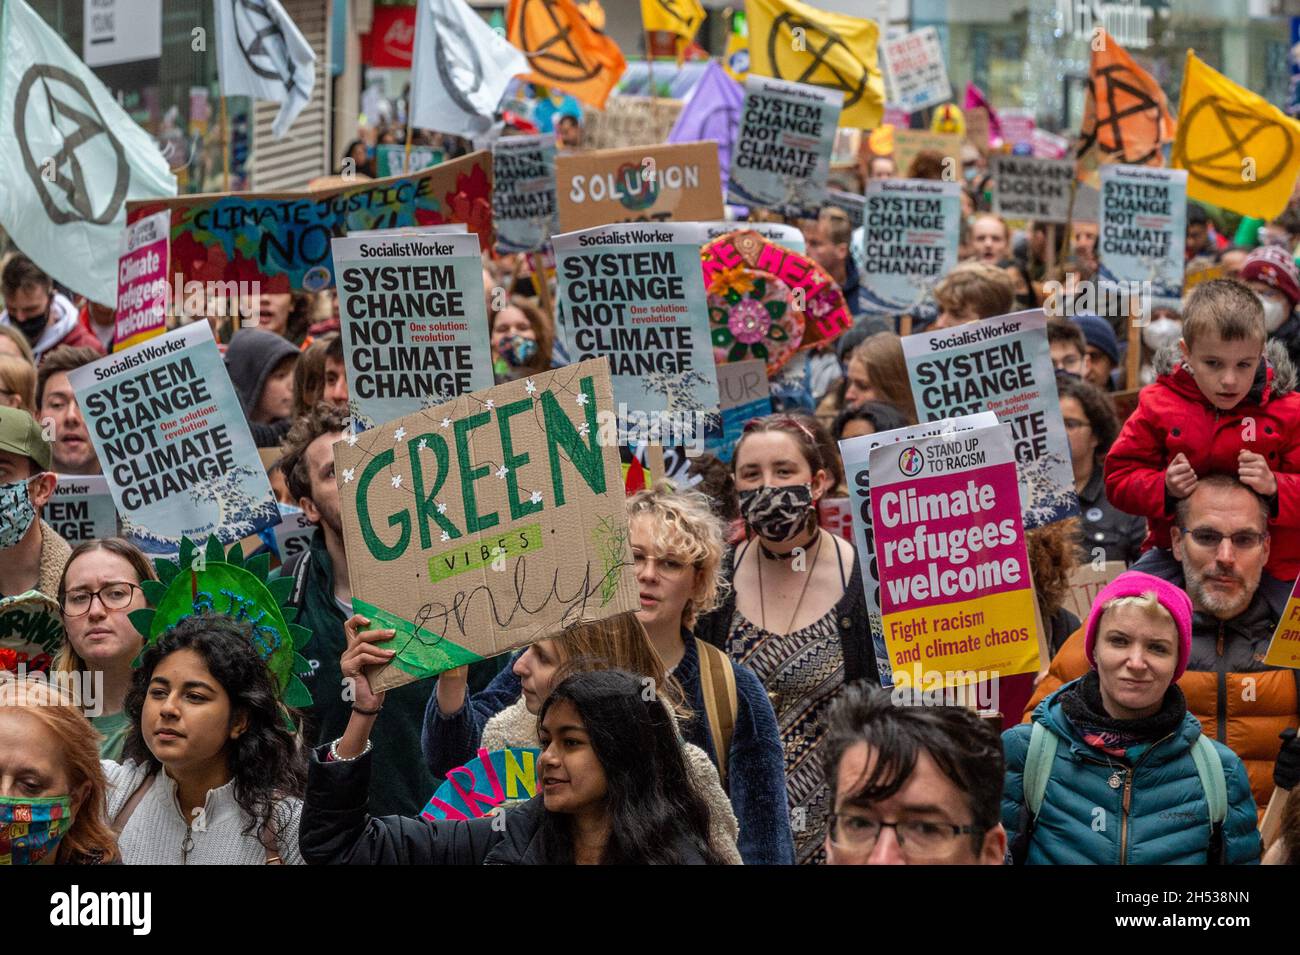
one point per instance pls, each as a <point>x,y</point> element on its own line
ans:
<point>453,685</point>
<point>1254,472</point>
<point>361,652</point>
<point>1180,479</point>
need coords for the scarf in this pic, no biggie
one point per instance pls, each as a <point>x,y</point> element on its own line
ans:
<point>1082,705</point>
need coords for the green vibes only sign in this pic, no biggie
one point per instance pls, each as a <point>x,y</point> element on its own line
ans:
<point>487,523</point>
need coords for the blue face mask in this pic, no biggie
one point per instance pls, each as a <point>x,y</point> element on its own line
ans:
<point>518,351</point>
<point>16,513</point>
<point>31,829</point>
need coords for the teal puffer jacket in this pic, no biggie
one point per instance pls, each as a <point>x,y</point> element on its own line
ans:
<point>1083,819</point>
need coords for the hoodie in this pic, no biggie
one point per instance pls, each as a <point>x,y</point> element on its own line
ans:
<point>63,328</point>
<point>251,356</point>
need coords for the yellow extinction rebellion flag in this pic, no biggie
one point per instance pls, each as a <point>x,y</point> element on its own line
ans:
<point>792,41</point>
<point>1241,152</point>
<point>682,17</point>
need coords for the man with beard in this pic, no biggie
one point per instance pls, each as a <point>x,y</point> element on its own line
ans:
<point>322,593</point>
<point>1220,547</point>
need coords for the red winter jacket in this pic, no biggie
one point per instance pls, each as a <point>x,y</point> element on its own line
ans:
<point>1173,416</point>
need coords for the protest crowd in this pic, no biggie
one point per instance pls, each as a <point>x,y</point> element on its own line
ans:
<point>821,486</point>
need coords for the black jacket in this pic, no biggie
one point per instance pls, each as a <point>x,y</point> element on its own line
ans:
<point>850,614</point>
<point>1103,525</point>
<point>403,784</point>
<point>336,829</point>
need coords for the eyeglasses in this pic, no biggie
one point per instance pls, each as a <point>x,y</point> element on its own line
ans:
<point>1211,539</point>
<point>916,839</point>
<point>114,596</point>
<point>1074,424</point>
<point>666,566</point>
<point>1068,363</point>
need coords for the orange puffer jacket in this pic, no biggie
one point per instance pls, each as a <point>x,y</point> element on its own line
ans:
<point>1241,701</point>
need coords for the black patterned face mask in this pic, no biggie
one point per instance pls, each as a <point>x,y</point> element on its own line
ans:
<point>777,513</point>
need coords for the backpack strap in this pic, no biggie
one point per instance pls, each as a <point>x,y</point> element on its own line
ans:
<point>1210,768</point>
<point>721,704</point>
<point>1038,765</point>
<point>124,814</point>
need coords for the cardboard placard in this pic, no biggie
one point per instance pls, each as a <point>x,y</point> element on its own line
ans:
<point>523,192</point>
<point>1002,365</point>
<point>173,442</point>
<point>977,127</point>
<point>412,312</point>
<point>488,523</point>
<point>909,142</point>
<point>956,597</point>
<point>485,783</point>
<point>856,454</point>
<point>914,64</point>
<point>1032,189</point>
<point>668,181</point>
<point>782,154</point>
<point>81,508</point>
<point>909,240</point>
<point>629,120</point>
<point>1086,582</point>
<point>282,240</point>
<point>143,290</point>
<point>1125,403</point>
<point>1144,232</point>
<point>31,632</point>
<point>635,295</point>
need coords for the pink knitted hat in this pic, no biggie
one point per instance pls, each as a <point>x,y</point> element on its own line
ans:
<point>1134,583</point>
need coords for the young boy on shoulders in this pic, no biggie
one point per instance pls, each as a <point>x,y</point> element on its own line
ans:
<point>1223,403</point>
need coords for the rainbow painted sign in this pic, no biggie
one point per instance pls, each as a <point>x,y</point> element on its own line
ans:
<point>282,240</point>
<point>484,783</point>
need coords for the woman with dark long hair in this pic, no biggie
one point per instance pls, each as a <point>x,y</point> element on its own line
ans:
<point>213,769</point>
<point>615,788</point>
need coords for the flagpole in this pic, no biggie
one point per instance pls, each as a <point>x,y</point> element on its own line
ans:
<point>410,128</point>
<point>225,146</point>
<point>650,66</point>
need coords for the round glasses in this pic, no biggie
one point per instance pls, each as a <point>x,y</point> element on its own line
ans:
<point>114,596</point>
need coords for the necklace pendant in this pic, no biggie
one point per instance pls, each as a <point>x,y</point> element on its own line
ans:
<point>1114,781</point>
